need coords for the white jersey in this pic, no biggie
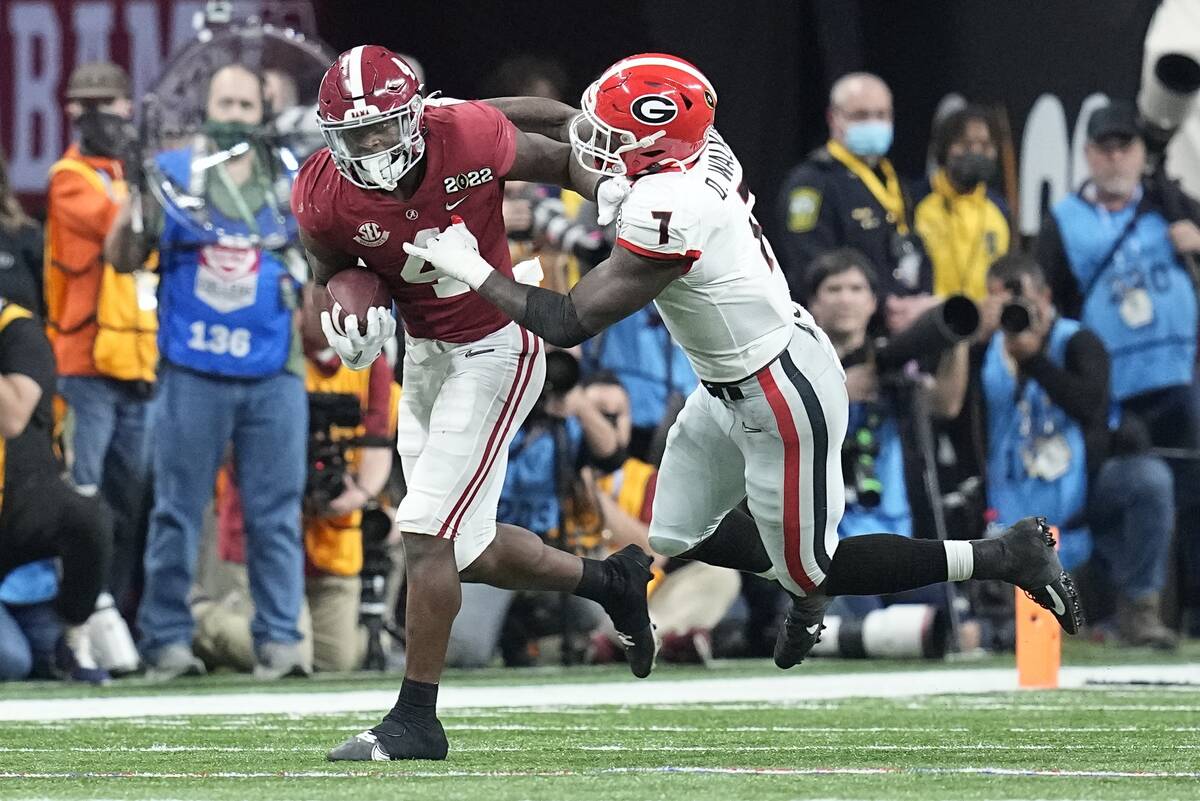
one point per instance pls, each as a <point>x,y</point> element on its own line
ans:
<point>731,312</point>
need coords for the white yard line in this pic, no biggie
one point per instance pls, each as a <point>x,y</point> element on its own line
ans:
<point>459,774</point>
<point>780,689</point>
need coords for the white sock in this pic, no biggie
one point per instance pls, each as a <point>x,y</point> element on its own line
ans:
<point>960,560</point>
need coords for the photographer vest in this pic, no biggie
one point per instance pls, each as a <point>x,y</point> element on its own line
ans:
<point>1036,458</point>
<point>1139,300</point>
<point>226,307</point>
<point>893,512</point>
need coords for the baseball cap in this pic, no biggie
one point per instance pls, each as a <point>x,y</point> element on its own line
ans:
<point>98,81</point>
<point>1117,119</point>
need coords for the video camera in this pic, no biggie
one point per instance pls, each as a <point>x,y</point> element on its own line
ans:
<point>327,465</point>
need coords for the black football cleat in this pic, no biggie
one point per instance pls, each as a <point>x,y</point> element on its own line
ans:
<point>628,610</point>
<point>1029,550</point>
<point>394,739</point>
<point>801,630</point>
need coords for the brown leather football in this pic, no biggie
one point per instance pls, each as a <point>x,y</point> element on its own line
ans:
<point>355,290</point>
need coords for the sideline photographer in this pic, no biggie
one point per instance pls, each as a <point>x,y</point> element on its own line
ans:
<point>841,287</point>
<point>1044,382</point>
<point>1116,255</point>
<point>564,432</point>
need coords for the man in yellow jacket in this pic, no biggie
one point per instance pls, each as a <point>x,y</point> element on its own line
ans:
<point>963,223</point>
<point>100,324</point>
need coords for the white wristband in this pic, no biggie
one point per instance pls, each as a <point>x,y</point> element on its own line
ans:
<point>475,271</point>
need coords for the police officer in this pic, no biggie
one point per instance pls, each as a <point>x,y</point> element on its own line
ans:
<point>847,194</point>
<point>230,372</point>
<point>1113,253</point>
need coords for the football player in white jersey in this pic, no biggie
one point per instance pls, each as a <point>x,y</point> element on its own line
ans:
<point>768,420</point>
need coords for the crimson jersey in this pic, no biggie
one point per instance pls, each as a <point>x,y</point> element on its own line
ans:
<point>469,148</point>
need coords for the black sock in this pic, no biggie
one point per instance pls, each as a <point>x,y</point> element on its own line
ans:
<point>418,700</point>
<point>596,581</point>
<point>879,564</point>
<point>735,544</point>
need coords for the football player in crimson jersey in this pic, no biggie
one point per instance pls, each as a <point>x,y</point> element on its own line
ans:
<point>770,416</point>
<point>397,166</point>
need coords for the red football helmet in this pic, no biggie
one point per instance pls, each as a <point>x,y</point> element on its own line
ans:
<point>369,110</point>
<point>644,113</point>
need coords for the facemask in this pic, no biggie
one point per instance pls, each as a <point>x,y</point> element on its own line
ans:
<point>227,134</point>
<point>869,139</point>
<point>104,134</point>
<point>970,169</point>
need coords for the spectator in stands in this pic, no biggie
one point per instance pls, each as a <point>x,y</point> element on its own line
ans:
<point>1114,257</point>
<point>102,324</point>
<point>841,289</point>
<point>847,194</point>
<point>232,370</point>
<point>20,251</point>
<point>653,369</point>
<point>963,223</point>
<point>1046,393</point>
<point>41,516</point>
<point>29,626</point>
<point>564,432</point>
<point>332,514</point>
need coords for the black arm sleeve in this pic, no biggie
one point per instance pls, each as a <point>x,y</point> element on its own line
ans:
<point>553,317</point>
<point>1080,387</point>
<point>1052,257</point>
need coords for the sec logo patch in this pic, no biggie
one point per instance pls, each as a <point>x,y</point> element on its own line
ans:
<point>371,235</point>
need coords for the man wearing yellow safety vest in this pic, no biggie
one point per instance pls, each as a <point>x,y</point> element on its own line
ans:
<point>847,194</point>
<point>101,323</point>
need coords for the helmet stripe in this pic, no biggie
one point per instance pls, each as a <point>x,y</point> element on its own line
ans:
<point>354,71</point>
<point>657,61</point>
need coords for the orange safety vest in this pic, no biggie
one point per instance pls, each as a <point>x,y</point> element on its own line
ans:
<point>100,321</point>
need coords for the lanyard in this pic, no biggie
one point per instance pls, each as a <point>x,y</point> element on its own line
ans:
<point>955,205</point>
<point>889,196</point>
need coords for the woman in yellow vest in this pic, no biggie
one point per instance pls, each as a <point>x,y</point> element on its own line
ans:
<point>963,223</point>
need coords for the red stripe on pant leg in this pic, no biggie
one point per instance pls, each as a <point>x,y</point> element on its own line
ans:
<point>791,479</point>
<point>492,438</point>
<point>512,416</point>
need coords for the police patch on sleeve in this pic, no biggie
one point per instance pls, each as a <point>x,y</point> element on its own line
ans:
<point>804,205</point>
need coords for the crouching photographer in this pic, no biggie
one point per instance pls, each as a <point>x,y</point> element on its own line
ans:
<point>41,516</point>
<point>1045,386</point>
<point>842,296</point>
<point>564,432</point>
<point>349,459</point>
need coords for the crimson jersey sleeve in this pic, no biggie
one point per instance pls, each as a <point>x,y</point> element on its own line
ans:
<point>314,194</point>
<point>657,222</point>
<point>490,129</point>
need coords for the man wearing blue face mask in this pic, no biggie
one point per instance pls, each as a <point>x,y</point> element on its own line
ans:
<point>847,194</point>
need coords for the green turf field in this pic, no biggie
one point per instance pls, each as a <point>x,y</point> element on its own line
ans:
<point>1111,742</point>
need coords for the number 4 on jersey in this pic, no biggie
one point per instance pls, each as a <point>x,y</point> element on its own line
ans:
<point>418,271</point>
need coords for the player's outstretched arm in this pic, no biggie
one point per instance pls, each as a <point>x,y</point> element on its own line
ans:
<point>542,160</point>
<point>613,290</point>
<point>539,115</point>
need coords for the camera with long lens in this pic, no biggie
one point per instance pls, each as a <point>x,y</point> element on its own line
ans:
<point>377,566</point>
<point>935,331</point>
<point>1019,314</point>
<point>580,237</point>
<point>327,453</point>
<point>859,453</point>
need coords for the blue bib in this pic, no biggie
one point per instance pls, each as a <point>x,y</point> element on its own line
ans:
<point>893,513</point>
<point>225,307</point>
<point>1141,303</point>
<point>1037,462</point>
<point>529,497</point>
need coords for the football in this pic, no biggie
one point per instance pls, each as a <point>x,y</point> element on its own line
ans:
<point>355,290</point>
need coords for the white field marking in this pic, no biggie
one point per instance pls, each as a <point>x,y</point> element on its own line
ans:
<point>772,690</point>
<point>459,774</point>
<point>159,748</point>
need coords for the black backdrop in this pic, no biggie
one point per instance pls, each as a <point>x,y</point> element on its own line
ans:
<point>772,60</point>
